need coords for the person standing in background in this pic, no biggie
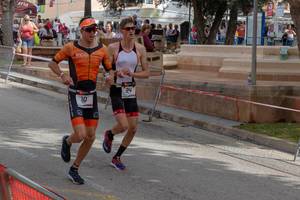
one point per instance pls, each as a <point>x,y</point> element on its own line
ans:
<point>290,34</point>
<point>26,34</point>
<point>271,35</point>
<point>108,31</point>
<point>241,31</point>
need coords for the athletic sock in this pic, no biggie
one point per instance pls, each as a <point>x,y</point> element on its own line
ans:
<point>110,135</point>
<point>120,151</point>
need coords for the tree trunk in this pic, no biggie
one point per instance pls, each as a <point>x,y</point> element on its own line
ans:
<point>216,24</point>
<point>88,8</point>
<point>8,9</point>
<point>295,7</point>
<point>199,21</point>
<point>231,25</point>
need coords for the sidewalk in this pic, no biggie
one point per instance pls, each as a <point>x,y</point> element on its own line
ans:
<point>188,118</point>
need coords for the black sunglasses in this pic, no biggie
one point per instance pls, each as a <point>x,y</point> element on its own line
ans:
<point>90,29</point>
<point>129,28</point>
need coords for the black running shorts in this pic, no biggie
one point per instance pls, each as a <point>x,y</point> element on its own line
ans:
<point>119,105</point>
<point>86,116</point>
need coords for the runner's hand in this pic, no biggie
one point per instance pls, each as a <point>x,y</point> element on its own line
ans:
<point>120,73</point>
<point>109,80</point>
<point>127,72</point>
<point>67,80</point>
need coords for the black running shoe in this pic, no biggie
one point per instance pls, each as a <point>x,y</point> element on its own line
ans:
<point>107,143</point>
<point>75,177</point>
<point>65,150</point>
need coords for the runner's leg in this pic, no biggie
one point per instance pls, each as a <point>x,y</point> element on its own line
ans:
<point>85,145</point>
<point>122,124</point>
<point>132,127</point>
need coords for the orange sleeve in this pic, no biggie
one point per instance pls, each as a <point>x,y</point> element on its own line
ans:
<point>106,60</point>
<point>64,53</point>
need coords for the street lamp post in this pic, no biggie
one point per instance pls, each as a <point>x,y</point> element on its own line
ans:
<point>254,44</point>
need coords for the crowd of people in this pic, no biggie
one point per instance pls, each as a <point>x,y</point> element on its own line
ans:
<point>285,37</point>
<point>154,36</point>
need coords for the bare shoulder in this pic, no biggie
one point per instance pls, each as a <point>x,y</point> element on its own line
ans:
<point>140,47</point>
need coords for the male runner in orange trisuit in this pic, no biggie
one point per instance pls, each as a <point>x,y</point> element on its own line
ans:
<point>85,56</point>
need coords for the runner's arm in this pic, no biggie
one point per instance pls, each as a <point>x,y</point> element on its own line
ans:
<point>63,54</point>
<point>110,57</point>
<point>144,63</point>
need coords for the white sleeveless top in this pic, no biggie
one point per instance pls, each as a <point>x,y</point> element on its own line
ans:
<point>126,60</point>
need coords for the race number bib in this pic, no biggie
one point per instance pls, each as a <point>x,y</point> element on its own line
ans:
<point>128,92</point>
<point>84,101</point>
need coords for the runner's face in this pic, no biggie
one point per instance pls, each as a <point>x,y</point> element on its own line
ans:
<point>128,31</point>
<point>89,33</point>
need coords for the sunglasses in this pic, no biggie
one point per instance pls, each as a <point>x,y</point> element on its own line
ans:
<point>90,29</point>
<point>129,28</point>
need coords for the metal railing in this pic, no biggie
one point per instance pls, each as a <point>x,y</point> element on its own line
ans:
<point>14,186</point>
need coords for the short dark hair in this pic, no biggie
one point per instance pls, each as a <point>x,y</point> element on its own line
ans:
<point>125,21</point>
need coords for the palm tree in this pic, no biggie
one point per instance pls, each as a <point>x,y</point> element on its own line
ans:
<point>87,8</point>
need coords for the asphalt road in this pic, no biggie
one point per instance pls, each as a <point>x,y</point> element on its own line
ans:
<point>166,161</point>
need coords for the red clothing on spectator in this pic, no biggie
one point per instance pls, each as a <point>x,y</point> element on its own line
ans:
<point>147,42</point>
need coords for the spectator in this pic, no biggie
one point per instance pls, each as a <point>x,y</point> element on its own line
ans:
<point>271,35</point>
<point>64,30</point>
<point>290,35</point>
<point>146,21</point>
<point>194,35</point>
<point>159,27</point>
<point>16,28</point>
<point>39,19</point>
<point>137,23</point>
<point>223,32</point>
<point>175,36</point>
<point>152,28</point>
<point>241,33</point>
<point>26,34</point>
<point>206,31</point>
<point>48,23</point>
<point>45,33</point>
<point>145,34</point>
<point>108,31</point>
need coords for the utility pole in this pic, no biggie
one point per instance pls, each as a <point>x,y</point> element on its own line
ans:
<point>254,44</point>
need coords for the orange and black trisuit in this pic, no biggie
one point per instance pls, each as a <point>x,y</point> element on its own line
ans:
<point>84,66</point>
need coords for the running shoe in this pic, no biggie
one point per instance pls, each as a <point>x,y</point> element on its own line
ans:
<point>107,143</point>
<point>75,177</point>
<point>116,163</point>
<point>65,150</point>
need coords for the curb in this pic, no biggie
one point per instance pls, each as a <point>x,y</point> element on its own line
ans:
<point>244,135</point>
